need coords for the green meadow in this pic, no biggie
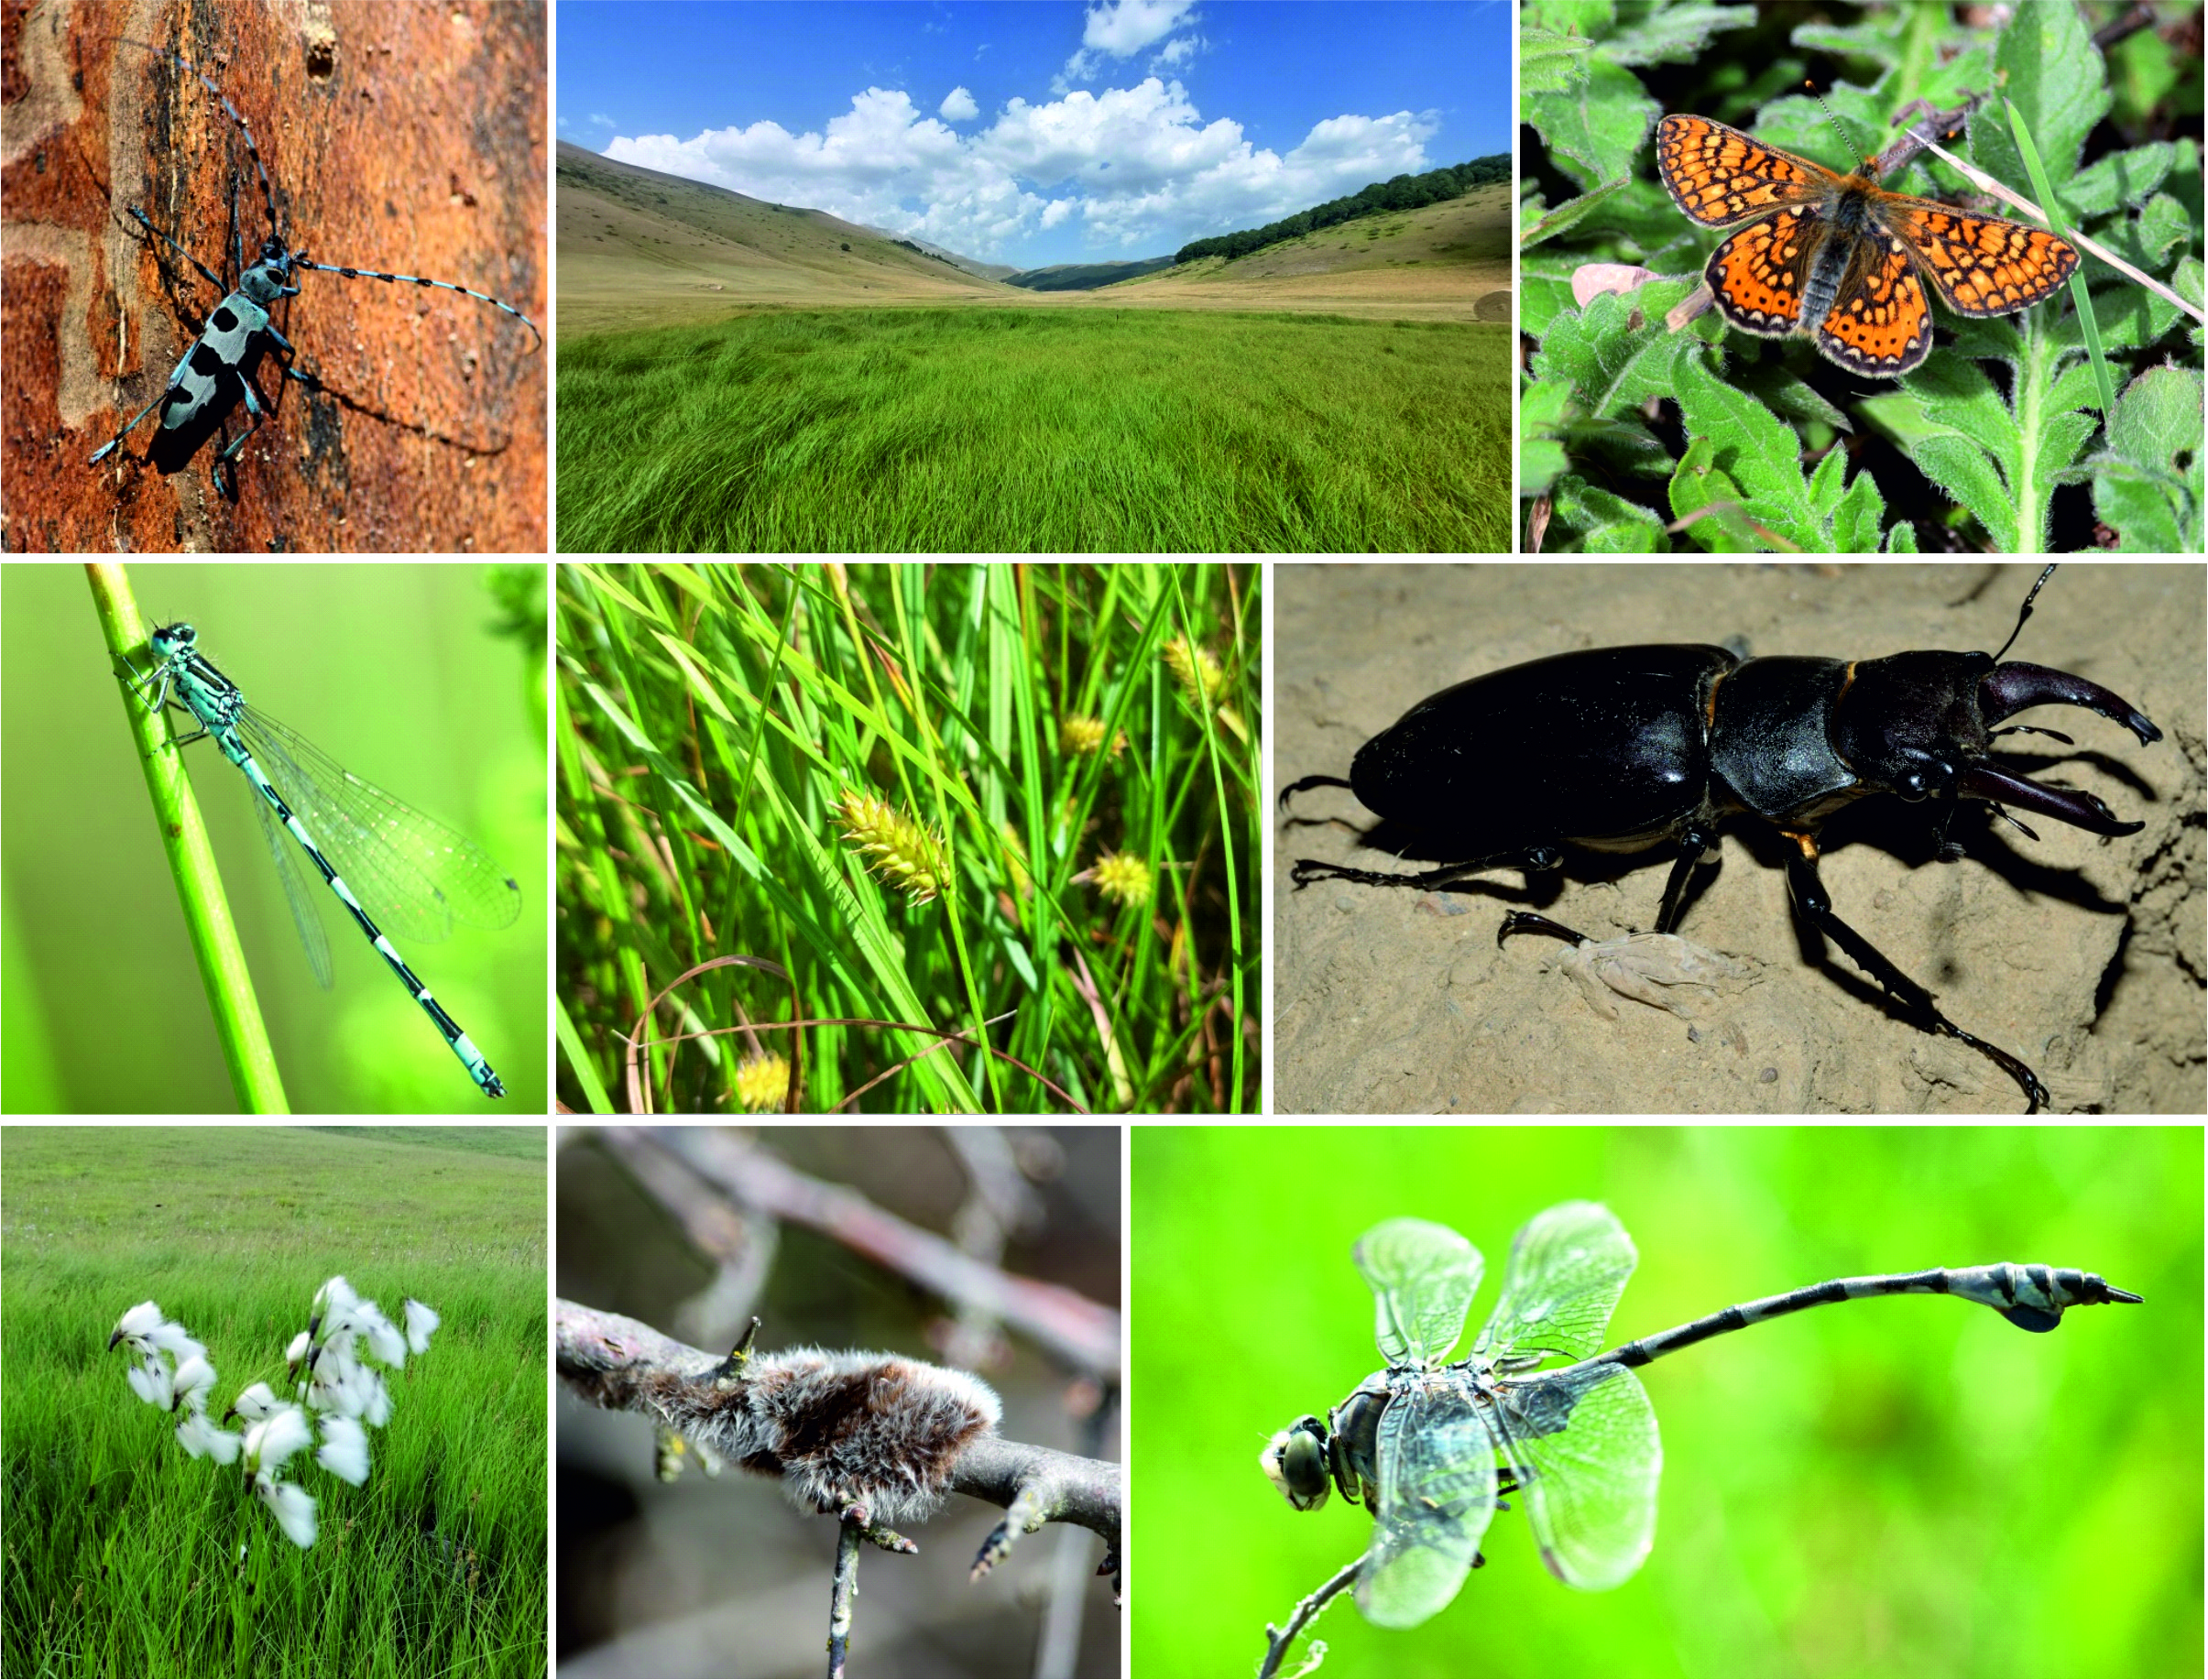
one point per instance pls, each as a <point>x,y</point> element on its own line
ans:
<point>1054,430</point>
<point>124,1555</point>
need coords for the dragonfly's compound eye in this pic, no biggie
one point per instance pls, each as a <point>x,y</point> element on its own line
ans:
<point>1295,1461</point>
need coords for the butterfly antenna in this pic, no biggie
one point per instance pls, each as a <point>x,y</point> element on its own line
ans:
<point>1865,167</point>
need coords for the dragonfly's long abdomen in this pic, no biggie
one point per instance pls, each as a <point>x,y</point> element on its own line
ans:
<point>2030,1297</point>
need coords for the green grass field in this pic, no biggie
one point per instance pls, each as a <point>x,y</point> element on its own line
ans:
<point>969,431</point>
<point>123,1552</point>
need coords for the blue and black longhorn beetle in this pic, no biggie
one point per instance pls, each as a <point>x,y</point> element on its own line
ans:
<point>216,373</point>
<point>1621,749</point>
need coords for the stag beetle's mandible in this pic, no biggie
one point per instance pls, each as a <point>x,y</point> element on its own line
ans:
<point>1639,746</point>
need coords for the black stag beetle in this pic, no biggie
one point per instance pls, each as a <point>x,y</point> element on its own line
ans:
<point>1633,748</point>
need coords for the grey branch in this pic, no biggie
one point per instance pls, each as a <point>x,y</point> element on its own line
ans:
<point>621,1365</point>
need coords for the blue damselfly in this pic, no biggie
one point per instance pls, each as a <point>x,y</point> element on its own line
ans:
<point>417,875</point>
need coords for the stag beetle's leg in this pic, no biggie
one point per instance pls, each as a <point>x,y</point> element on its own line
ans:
<point>1697,844</point>
<point>1306,784</point>
<point>1528,858</point>
<point>1526,921</point>
<point>1809,897</point>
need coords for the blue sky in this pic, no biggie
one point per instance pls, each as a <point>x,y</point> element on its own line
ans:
<point>1034,132</point>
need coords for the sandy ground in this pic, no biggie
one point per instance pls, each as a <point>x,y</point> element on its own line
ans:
<point>2083,956</point>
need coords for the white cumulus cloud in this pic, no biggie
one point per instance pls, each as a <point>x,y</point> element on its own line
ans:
<point>1124,27</point>
<point>1119,30</point>
<point>1140,165</point>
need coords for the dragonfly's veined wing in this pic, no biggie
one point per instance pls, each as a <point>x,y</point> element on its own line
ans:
<point>1436,1495</point>
<point>1584,1446</point>
<point>1567,1268</point>
<point>1423,1277</point>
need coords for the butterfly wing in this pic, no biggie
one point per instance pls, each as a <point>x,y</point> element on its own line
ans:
<point>1721,177</point>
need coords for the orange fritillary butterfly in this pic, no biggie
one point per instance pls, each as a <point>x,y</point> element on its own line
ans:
<point>1839,258</point>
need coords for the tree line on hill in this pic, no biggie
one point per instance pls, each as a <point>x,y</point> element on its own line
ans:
<point>1399,192</point>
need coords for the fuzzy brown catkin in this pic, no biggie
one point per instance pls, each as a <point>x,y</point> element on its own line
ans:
<point>840,1430</point>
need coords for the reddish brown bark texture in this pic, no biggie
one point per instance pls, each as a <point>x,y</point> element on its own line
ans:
<point>407,135</point>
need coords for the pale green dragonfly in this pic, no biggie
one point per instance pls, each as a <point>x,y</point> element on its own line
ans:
<point>1431,1447</point>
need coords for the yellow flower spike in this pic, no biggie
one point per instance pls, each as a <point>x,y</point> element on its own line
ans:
<point>1186,660</point>
<point>762,1081</point>
<point>1083,734</point>
<point>907,855</point>
<point>1121,876</point>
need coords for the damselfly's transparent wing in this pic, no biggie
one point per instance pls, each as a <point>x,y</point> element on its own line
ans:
<point>1423,1277</point>
<point>1436,1495</point>
<point>1583,1445</point>
<point>413,875</point>
<point>1567,1268</point>
<point>305,915</point>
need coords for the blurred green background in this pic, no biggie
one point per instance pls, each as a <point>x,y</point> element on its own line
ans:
<point>425,679</point>
<point>1904,1486</point>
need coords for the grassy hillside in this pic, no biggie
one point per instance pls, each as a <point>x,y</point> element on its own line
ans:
<point>1044,429</point>
<point>1084,277</point>
<point>987,272</point>
<point>639,247</point>
<point>1437,260</point>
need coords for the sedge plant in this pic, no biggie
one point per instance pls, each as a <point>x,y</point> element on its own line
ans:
<point>965,837</point>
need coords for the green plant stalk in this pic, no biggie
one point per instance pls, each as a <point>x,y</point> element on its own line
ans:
<point>2080,296</point>
<point>240,1031</point>
<point>1234,918</point>
<point>953,895</point>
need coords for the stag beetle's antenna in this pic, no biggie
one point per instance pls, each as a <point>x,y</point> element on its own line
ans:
<point>2023,613</point>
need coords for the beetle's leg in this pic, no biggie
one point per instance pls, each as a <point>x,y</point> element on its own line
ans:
<point>1526,921</point>
<point>1696,844</point>
<point>1530,859</point>
<point>1307,783</point>
<point>1810,899</point>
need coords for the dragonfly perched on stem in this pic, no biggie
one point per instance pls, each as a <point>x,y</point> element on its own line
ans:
<point>1431,1448</point>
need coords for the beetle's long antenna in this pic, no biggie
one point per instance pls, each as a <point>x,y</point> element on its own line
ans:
<point>2026,612</point>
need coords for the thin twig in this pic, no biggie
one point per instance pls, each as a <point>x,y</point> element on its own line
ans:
<point>1278,1640</point>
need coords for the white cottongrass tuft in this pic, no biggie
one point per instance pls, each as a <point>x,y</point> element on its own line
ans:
<point>327,1362</point>
<point>345,1450</point>
<point>157,1349</point>
<point>276,1438</point>
<point>292,1506</point>
<point>135,1326</point>
<point>201,1439</point>
<point>333,1296</point>
<point>255,1405</point>
<point>194,1379</point>
<point>149,1380</point>
<point>384,1340</point>
<point>421,1321</point>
